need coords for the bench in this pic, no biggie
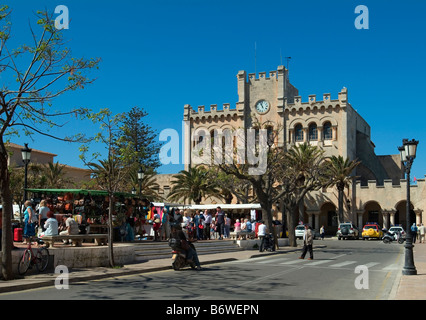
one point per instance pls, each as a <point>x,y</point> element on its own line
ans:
<point>243,235</point>
<point>76,239</point>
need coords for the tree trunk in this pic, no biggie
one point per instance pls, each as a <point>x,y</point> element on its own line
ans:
<point>268,221</point>
<point>340,200</point>
<point>7,211</point>
<point>292,218</point>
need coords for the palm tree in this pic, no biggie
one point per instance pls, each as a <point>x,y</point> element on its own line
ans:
<point>194,185</point>
<point>340,170</point>
<point>303,170</point>
<point>55,175</point>
<point>149,185</point>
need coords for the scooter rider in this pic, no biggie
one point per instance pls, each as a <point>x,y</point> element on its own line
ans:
<point>191,254</point>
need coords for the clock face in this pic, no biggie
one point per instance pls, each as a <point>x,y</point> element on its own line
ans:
<point>262,106</point>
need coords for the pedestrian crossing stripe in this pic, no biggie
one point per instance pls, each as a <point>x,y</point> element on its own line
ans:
<point>293,262</point>
<point>371,264</point>
<point>318,262</point>
<point>342,264</point>
<point>313,263</point>
<point>309,263</point>
<point>272,260</point>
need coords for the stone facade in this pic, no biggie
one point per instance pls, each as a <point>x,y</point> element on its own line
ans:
<point>331,124</point>
<point>42,157</point>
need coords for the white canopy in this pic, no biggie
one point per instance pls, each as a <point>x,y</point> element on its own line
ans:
<point>168,204</point>
<point>224,206</point>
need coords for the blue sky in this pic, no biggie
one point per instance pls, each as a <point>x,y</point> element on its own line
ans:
<point>160,55</point>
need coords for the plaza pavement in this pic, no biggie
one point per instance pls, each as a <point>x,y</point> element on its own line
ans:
<point>405,288</point>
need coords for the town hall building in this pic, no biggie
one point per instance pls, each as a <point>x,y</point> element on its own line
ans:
<point>379,193</point>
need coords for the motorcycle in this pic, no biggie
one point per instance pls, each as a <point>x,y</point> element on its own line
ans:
<point>179,257</point>
<point>389,237</point>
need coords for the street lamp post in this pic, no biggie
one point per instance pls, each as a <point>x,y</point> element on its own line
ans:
<point>26,158</point>
<point>408,154</point>
<point>140,178</point>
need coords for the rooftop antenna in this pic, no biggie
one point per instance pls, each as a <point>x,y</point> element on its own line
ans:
<point>287,60</point>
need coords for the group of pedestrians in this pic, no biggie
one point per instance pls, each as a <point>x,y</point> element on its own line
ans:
<point>205,225</point>
<point>418,232</point>
<point>201,225</point>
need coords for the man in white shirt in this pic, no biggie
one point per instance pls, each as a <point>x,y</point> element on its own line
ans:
<point>308,241</point>
<point>422,233</point>
<point>71,227</point>
<point>261,233</point>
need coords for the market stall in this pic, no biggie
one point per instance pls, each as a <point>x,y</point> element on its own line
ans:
<point>90,209</point>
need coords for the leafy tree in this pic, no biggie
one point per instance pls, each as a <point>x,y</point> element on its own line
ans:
<point>340,171</point>
<point>33,76</point>
<point>140,139</point>
<point>231,186</point>
<point>110,173</point>
<point>264,183</point>
<point>193,185</point>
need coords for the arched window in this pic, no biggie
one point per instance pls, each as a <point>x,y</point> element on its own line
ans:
<point>328,133</point>
<point>313,132</point>
<point>298,133</point>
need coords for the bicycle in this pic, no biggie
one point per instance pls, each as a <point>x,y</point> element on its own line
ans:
<point>39,258</point>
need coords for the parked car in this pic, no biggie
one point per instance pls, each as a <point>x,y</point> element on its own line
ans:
<point>396,229</point>
<point>347,230</point>
<point>300,230</point>
<point>372,231</point>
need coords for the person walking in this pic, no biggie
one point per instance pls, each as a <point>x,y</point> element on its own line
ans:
<point>414,232</point>
<point>322,232</point>
<point>308,241</point>
<point>422,233</point>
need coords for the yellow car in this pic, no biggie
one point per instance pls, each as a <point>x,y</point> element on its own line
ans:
<point>372,230</point>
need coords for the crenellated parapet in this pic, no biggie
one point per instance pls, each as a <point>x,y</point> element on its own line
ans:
<point>213,113</point>
<point>264,76</point>
<point>389,185</point>
<point>317,105</point>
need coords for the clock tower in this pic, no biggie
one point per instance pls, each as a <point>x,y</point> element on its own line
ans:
<point>263,96</point>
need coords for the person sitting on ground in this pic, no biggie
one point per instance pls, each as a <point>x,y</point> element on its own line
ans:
<point>50,226</point>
